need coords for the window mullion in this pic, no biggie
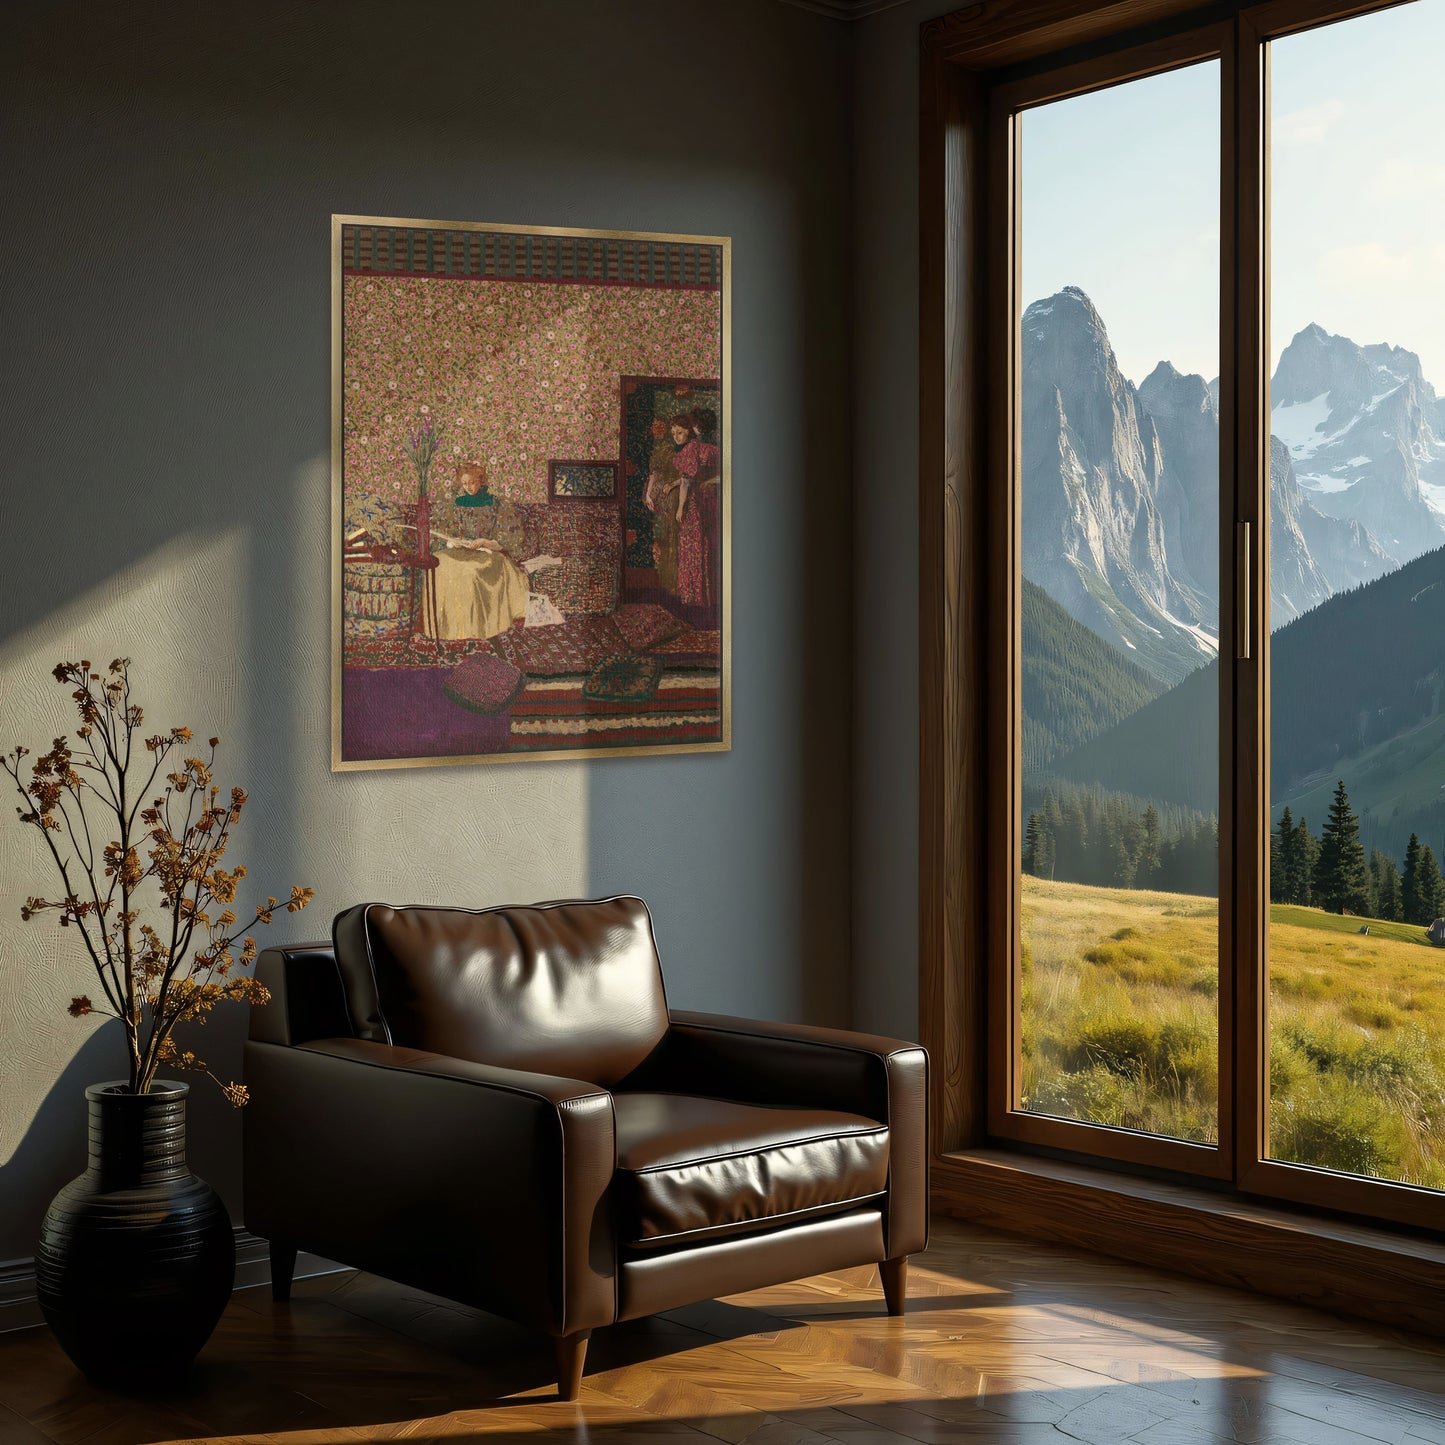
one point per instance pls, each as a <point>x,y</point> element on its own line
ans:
<point>1246,123</point>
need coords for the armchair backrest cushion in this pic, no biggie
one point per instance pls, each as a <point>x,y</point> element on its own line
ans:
<point>560,988</point>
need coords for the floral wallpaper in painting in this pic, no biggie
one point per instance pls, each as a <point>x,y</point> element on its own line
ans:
<point>516,373</point>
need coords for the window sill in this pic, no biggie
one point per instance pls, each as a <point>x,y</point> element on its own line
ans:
<point>1331,1264</point>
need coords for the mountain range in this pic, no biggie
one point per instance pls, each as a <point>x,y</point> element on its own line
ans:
<point>1364,430</point>
<point>1357,691</point>
<point>1120,483</point>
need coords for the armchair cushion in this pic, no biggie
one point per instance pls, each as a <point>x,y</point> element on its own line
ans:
<point>571,989</point>
<point>755,1062</point>
<point>692,1169</point>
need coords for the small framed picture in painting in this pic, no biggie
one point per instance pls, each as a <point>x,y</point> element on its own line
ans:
<point>595,481</point>
<point>531,493</point>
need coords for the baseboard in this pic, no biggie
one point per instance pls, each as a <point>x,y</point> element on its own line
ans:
<point>20,1310</point>
<point>1345,1267</point>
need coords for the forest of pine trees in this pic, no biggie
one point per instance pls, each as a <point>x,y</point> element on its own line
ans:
<point>1333,873</point>
<point>1087,835</point>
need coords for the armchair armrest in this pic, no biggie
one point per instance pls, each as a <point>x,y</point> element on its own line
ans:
<point>485,1184</point>
<point>756,1062</point>
<point>307,999</point>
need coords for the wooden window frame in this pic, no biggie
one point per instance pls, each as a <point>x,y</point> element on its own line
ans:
<point>976,64</point>
<point>1008,100</point>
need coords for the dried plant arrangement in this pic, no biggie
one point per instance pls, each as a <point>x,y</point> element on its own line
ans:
<point>141,870</point>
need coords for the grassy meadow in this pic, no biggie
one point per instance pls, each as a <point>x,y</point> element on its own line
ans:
<point>1120,1026</point>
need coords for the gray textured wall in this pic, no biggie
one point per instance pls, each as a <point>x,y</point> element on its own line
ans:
<point>170,172</point>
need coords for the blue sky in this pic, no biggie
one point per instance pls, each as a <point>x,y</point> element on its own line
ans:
<point>1121,196</point>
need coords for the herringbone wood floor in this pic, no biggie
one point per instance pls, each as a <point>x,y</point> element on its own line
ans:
<point>1004,1340</point>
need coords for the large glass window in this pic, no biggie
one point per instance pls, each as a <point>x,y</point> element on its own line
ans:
<point>1218,292</point>
<point>1357,597</point>
<point>1118,351</point>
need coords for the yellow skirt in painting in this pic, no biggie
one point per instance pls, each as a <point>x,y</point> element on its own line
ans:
<point>479,594</point>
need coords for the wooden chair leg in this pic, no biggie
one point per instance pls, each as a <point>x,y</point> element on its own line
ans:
<point>895,1283</point>
<point>283,1267</point>
<point>571,1355</point>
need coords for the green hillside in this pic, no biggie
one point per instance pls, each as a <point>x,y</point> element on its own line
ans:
<point>1356,694</point>
<point>1299,917</point>
<point>1074,684</point>
<point>1361,669</point>
<point>1168,749</point>
<point>1397,787</point>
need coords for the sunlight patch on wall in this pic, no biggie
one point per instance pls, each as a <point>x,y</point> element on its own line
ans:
<point>182,617</point>
<point>470,836</point>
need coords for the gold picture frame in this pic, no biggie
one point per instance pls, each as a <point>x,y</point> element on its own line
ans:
<point>480,613</point>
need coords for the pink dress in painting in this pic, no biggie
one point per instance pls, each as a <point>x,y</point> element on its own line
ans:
<point>697,537</point>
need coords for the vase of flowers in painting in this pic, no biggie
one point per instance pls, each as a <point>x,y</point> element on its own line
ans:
<point>422,442</point>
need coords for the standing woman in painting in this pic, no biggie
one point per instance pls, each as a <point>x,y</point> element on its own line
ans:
<point>699,509</point>
<point>661,500</point>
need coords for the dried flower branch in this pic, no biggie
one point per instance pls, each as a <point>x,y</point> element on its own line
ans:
<point>165,853</point>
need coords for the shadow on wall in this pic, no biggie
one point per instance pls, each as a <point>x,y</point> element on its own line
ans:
<point>52,1150</point>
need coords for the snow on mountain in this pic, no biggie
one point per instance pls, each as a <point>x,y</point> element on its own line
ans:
<point>1312,555</point>
<point>1121,519</point>
<point>1365,434</point>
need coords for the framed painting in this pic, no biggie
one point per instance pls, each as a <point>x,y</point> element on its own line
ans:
<point>531,493</point>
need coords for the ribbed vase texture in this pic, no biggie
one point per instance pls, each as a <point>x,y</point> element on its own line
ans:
<point>137,1256</point>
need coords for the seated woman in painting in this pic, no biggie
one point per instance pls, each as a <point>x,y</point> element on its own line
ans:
<point>481,589</point>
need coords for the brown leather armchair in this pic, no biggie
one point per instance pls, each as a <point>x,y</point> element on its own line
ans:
<point>499,1107</point>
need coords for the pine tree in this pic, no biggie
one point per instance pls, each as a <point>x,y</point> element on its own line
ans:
<point>1341,881</point>
<point>1284,861</point>
<point>1306,854</point>
<point>1121,860</point>
<point>1384,887</point>
<point>1146,869</point>
<point>1411,906</point>
<point>1388,893</point>
<point>1052,822</point>
<point>1072,841</point>
<point>1030,860</point>
<point>1390,903</point>
<point>1281,843</point>
<point>1431,887</point>
<point>1038,848</point>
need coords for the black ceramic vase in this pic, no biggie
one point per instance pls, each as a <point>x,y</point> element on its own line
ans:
<point>137,1256</point>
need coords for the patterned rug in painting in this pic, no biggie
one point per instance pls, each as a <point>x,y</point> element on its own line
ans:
<point>532,489</point>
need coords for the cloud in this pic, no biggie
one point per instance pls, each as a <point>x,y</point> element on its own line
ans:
<point>1372,264</point>
<point>1370,261</point>
<point>1399,178</point>
<point>1193,257</point>
<point>1309,125</point>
